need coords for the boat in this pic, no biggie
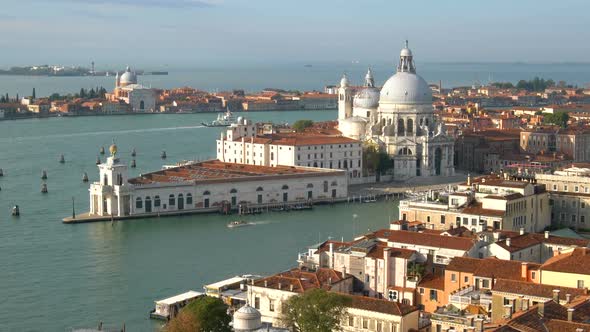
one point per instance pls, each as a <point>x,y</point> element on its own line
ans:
<point>133,153</point>
<point>44,175</point>
<point>133,164</point>
<point>62,159</point>
<point>238,223</point>
<point>44,188</point>
<point>85,177</point>
<point>223,120</point>
<point>15,211</point>
<point>163,155</point>
<point>370,200</point>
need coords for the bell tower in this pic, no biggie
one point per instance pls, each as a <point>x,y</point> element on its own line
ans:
<point>344,99</point>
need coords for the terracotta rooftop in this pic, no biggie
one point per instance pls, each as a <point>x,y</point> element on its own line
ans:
<point>553,318</point>
<point>433,282</point>
<point>301,280</point>
<point>477,209</point>
<point>533,289</point>
<point>300,139</point>
<point>489,267</point>
<point>528,240</point>
<point>380,305</point>
<point>577,261</point>
<point>219,171</point>
<point>425,239</point>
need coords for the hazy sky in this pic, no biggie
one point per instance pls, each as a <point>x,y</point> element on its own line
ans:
<point>224,32</point>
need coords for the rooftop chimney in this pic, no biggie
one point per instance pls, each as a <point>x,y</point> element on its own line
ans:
<point>524,270</point>
<point>541,309</point>
<point>468,179</point>
<point>546,234</point>
<point>568,298</point>
<point>478,323</point>
<point>508,241</point>
<point>291,287</point>
<point>570,314</point>
<point>280,285</point>
<point>556,295</point>
<point>265,283</point>
<point>522,231</point>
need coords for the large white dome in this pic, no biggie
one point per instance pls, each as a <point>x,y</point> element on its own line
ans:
<point>406,88</point>
<point>128,77</point>
<point>247,319</point>
<point>367,98</point>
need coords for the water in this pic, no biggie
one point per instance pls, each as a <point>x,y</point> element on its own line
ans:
<point>55,276</point>
<point>298,77</point>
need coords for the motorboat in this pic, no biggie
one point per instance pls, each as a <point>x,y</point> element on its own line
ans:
<point>238,223</point>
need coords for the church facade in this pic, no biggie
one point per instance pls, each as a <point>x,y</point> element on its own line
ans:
<point>400,119</point>
<point>140,98</point>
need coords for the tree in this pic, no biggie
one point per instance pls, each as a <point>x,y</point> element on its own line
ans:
<point>301,125</point>
<point>316,310</point>
<point>559,119</point>
<point>82,93</point>
<point>34,95</point>
<point>375,161</point>
<point>204,314</point>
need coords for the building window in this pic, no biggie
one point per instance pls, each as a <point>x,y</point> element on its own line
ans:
<point>138,203</point>
<point>580,283</point>
<point>157,201</point>
<point>442,219</point>
<point>466,279</point>
<point>271,305</point>
<point>365,323</point>
<point>350,321</point>
<point>582,218</point>
<point>171,200</point>
<point>433,295</point>
<point>189,199</point>
<point>453,277</point>
<point>533,274</point>
<point>427,218</point>
<point>379,324</point>
<point>564,187</point>
<point>421,291</point>
<point>257,302</point>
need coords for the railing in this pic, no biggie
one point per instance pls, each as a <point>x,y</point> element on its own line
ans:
<point>442,260</point>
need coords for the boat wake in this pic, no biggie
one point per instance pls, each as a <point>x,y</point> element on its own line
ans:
<point>106,132</point>
<point>265,222</point>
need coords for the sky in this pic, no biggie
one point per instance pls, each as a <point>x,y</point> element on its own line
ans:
<point>238,32</point>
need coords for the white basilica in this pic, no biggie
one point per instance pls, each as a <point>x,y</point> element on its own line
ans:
<point>399,119</point>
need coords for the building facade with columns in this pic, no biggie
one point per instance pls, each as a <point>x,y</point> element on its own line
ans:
<point>400,119</point>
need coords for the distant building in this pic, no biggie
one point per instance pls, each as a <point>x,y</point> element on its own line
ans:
<point>495,201</point>
<point>241,144</point>
<point>569,190</point>
<point>139,98</point>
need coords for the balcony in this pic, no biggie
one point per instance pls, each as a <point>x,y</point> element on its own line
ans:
<point>442,260</point>
<point>470,295</point>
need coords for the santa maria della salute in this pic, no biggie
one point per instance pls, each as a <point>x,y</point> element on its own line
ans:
<point>400,119</point>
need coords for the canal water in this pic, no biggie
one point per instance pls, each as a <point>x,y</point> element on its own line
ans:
<point>54,277</point>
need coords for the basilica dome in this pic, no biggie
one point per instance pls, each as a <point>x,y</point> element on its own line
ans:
<point>128,77</point>
<point>406,88</point>
<point>367,98</point>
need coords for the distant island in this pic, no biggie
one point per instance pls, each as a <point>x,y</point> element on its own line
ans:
<point>63,71</point>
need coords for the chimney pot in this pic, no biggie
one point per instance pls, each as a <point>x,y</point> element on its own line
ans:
<point>291,287</point>
<point>522,231</point>
<point>265,283</point>
<point>556,295</point>
<point>546,234</point>
<point>541,309</point>
<point>280,285</point>
<point>508,242</point>
<point>570,314</point>
<point>568,298</point>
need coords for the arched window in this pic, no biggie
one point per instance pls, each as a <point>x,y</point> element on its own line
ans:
<point>171,200</point>
<point>259,189</point>
<point>206,193</point>
<point>310,185</point>
<point>157,201</point>
<point>410,126</point>
<point>325,186</point>
<point>400,127</point>
<point>233,191</point>
<point>189,198</point>
<point>141,105</point>
<point>346,164</point>
<point>285,187</point>
<point>315,164</point>
<point>106,180</point>
<point>138,203</point>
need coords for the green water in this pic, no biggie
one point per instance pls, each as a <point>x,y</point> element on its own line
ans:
<point>54,277</point>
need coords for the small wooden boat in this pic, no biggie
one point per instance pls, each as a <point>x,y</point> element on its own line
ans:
<point>62,159</point>
<point>44,175</point>
<point>85,177</point>
<point>15,211</point>
<point>44,188</point>
<point>163,155</point>
<point>133,153</point>
<point>133,164</point>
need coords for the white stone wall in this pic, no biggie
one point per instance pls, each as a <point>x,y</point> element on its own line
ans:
<point>137,96</point>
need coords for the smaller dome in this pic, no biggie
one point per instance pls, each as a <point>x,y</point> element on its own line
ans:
<point>367,98</point>
<point>344,81</point>
<point>405,52</point>
<point>128,77</point>
<point>247,319</point>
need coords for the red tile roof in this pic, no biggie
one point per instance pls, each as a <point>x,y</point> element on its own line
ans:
<point>577,261</point>
<point>425,239</point>
<point>379,305</point>
<point>489,267</point>
<point>302,280</point>
<point>533,289</point>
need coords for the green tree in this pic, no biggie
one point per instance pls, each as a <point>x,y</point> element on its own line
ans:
<point>375,161</point>
<point>559,119</point>
<point>316,310</point>
<point>301,125</point>
<point>34,95</point>
<point>204,314</point>
<point>82,93</point>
